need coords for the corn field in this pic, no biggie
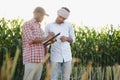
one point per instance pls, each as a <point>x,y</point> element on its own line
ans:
<point>103,47</point>
<point>10,40</point>
<point>96,55</point>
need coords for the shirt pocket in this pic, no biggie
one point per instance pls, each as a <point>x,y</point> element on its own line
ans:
<point>35,31</point>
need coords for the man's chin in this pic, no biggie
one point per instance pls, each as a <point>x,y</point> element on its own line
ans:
<point>59,22</point>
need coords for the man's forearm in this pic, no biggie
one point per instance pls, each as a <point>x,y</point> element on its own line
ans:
<point>39,40</point>
<point>70,40</point>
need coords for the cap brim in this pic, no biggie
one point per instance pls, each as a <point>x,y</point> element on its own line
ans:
<point>46,14</point>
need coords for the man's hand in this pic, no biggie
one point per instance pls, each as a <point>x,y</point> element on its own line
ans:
<point>68,39</point>
<point>63,38</point>
<point>51,34</point>
<point>50,42</point>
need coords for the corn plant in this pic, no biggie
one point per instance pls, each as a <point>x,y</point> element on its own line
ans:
<point>102,48</point>
<point>9,66</point>
<point>10,39</point>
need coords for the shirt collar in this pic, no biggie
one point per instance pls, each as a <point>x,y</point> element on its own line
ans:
<point>34,21</point>
<point>59,24</point>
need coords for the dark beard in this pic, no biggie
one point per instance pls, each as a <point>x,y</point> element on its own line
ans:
<point>59,22</point>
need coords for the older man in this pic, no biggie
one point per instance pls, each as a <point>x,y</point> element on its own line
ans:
<point>33,49</point>
<point>60,50</point>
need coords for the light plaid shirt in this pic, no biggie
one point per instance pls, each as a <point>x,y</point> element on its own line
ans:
<point>32,53</point>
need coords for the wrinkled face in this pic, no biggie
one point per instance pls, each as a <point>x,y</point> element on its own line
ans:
<point>60,19</point>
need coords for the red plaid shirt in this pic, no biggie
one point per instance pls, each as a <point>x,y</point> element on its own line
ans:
<point>32,53</point>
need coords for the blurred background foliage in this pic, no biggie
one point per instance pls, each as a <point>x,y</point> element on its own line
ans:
<point>102,48</point>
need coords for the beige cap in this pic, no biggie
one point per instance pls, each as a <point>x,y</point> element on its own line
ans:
<point>40,10</point>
